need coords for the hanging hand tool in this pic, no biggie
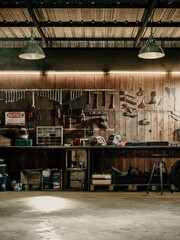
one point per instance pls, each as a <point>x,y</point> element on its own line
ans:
<point>142,104</point>
<point>140,92</point>
<point>18,93</point>
<point>174,114</point>
<point>30,115</point>
<point>130,114</point>
<point>16,98</point>
<point>125,105</point>
<point>59,113</point>
<point>160,101</point>
<point>104,119</point>
<point>91,129</point>
<point>39,117</point>
<point>88,97</point>
<point>112,105</point>
<point>144,122</point>
<point>95,102</point>
<point>33,100</point>
<point>9,96</point>
<point>6,97</point>
<point>61,98</point>
<point>126,94</point>
<point>71,96</point>
<point>82,116</point>
<point>104,98</point>
<point>153,97</point>
<point>174,118</point>
<point>127,100</point>
<point>171,91</point>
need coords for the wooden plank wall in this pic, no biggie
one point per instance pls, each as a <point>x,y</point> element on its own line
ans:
<point>162,126</point>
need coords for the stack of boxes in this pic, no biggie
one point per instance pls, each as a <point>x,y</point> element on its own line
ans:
<point>2,167</point>
<point>52,179</point>
<point>3,176</point>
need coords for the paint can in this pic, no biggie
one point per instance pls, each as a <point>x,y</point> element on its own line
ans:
<point>25,187</point>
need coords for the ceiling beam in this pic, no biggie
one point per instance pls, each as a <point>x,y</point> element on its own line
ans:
<point>88,24</point>
<point>35,21</point>
<point>89,39</point>
<point>146,15</point>
<point>86,5</point>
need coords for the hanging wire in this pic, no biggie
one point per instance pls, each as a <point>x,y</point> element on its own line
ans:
<point>151,21</point>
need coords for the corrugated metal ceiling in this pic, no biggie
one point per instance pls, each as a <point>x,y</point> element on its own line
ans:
<point>134,15</point>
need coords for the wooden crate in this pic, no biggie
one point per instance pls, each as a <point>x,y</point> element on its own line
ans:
<point>49,135</point>
<point>31,177</point>
<point>76,184</point>
<point>5,142</point>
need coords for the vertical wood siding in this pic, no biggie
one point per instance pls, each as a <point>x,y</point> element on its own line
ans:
<point>162,126</point>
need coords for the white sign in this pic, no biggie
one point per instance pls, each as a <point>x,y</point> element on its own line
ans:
<point>15,118</point>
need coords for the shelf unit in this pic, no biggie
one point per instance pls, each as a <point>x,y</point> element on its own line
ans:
<point>76,166</point>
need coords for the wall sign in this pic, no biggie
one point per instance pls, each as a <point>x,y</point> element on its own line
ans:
<point>15,118</point>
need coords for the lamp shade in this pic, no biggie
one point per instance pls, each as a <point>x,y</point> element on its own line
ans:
<point>151,50</point>
<point>31,51</point>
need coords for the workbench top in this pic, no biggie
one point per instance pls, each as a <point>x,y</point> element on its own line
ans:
<point>95,147</point>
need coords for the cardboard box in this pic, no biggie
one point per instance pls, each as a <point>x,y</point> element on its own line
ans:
<point>101,179</point>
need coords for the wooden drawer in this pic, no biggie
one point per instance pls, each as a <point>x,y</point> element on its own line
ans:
<point>76,184</point>
<point>74,176</point>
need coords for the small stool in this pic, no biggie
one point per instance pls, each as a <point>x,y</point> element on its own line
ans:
<point>159,165</point>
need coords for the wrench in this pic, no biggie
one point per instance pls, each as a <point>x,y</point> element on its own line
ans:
<point>61,97</point>
<point>33,100</point>
<point>9,99</point>
<point>16,96</point>
<point>6,97</point>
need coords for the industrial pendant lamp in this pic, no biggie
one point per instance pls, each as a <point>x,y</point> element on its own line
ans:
<point>32,51</point>
<point>151,50</point>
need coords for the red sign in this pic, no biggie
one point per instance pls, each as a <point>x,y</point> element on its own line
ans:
<point>14,118</point>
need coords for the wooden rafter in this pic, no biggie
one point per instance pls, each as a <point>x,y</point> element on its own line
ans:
<point>36,23</point>
<point>147,13</point>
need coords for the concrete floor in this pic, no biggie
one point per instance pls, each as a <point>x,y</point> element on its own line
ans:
<point>86,216</point>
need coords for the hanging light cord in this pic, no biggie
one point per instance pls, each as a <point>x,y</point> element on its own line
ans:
<point>151,21</point>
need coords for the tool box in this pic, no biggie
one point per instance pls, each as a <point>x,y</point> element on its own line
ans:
<point>46,174</point>
<point>158,143</point>
<point>23,142</point>
<point>101,179</point>
<point>136,144</point>
<point>52,179</point>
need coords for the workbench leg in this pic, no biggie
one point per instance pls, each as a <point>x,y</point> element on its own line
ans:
<point>89,168</point>
<point>91,187</point>
<point>111,187</point>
